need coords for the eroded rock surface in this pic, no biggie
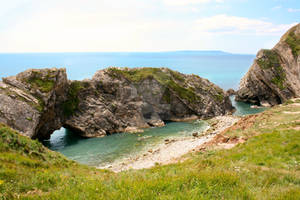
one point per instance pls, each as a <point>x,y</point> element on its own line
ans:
<point>122,99</point>
<point>30,102</point>
<point>274,76</point>
<point>37,102</point>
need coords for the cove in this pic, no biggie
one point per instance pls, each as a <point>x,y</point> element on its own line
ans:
<point>98,151</point>
<point>108,149</point>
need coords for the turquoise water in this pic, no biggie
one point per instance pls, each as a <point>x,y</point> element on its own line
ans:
<point>97,151</point>
<point>244,108</point>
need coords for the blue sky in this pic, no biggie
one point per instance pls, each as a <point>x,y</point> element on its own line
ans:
<point>237,26</point>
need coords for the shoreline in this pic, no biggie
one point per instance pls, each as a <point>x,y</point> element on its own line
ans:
<point>172,150</point>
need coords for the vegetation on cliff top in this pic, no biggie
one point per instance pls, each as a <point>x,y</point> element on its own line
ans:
<point>293,41</point>
<point>71,104</point>
<point>271,60</point>
<point>171,79</point>
<point>266,166</point>
<point>44,84</point>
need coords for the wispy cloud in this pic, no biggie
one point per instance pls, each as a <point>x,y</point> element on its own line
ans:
<point>276,7</point>
<point>129,25</point>
<point>293,10</point>
<point>189,2</point>
<point>224,24</point>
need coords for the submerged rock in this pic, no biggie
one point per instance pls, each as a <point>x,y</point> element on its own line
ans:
<point>274,76</point>
<point>37,102</point>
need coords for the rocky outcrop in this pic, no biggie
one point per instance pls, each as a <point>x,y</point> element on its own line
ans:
<point>37,102</point>
<point>274,76</point>
<point>117,100</point>
<point>30,102</point>
<point>230,92</point>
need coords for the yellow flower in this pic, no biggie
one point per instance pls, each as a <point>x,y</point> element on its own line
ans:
<point>1,182</point>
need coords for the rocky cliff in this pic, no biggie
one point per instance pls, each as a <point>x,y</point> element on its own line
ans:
<point>274,76</point>
<point>37,102</point>
<point>30,102</point>
<point>117,100</point>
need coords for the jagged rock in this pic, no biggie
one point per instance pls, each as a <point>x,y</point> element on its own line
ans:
<point>122,99</point>
<point>230,92</point>
<point>274,76</point>
<point>37,102</point>
<point>30,102</point>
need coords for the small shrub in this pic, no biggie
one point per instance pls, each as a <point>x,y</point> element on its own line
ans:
<point>44,84</point>
<point>72,102</point>
<point>271,60</point>
<point>293,41</point>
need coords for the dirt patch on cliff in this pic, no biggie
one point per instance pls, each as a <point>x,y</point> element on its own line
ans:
<point>223,141</point>
<point>243,123</point>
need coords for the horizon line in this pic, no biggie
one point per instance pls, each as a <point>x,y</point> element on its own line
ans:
<point>166,51</point>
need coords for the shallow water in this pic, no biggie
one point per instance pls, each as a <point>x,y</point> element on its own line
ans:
<point>96,151</point>
<point>244,108</point>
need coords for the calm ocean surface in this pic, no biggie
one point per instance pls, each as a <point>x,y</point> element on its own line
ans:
<point>221,68</point>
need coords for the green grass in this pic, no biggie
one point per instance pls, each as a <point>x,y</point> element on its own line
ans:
<point>220,95</point>
<point>70,106</point>
<point>44,84</point>
<point>293,41</point>
<point>266,166</point>
<point>271,60</point>
<point>171,79</point>
<point>137,75</point>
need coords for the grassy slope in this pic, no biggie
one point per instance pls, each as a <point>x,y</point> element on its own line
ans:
<point>266,166</point>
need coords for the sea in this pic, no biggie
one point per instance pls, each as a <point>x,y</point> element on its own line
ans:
<point>222,68</point>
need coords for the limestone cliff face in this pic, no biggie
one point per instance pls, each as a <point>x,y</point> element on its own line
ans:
<point>274,76</point>
<point>37,102</point>
<point>122,99</point>
<point>30,102</point>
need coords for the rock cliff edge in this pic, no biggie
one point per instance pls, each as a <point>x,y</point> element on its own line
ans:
<point>37,102</point>
<point>274,76</point>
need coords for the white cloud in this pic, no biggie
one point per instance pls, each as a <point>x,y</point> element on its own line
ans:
<point>224,24</point>
<point>276,7</point>
<point>131,25</point>
<point>293,10</point>
<point>189,2</point>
